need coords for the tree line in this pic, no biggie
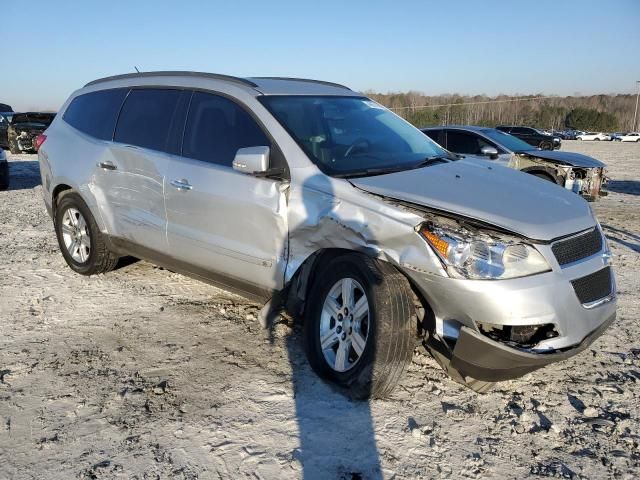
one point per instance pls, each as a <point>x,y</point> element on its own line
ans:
<point>605,113</point>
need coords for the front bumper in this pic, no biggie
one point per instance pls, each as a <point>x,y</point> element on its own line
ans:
<point>537,300</point>
<point>478,357</point>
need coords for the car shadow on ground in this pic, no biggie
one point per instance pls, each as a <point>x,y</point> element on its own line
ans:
<point>336,433</point>
<point>630,187</point>
<point>622,237</point>
<point>23,175</point>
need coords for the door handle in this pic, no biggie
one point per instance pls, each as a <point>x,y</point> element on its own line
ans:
<point>107,165</point>
<point>181,184</point>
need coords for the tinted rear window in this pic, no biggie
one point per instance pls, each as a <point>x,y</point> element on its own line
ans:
<point>96,113</point>
<point>146,117</point>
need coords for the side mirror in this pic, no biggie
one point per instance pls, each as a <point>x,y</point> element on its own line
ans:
<point>490,152</point>
<point>252,160</point>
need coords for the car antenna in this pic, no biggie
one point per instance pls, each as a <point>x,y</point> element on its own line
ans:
<point>138,71</point>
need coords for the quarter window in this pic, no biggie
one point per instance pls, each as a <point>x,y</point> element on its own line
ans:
<point>217,127</point>
<point>96,113</point>
<point>146,118</point>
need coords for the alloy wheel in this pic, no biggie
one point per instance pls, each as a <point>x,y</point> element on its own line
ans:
<point>75,234</point>
<point>344,324</point>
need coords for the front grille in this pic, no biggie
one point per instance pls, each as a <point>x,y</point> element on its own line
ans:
<point>594,286</point>
<point>578,247</point>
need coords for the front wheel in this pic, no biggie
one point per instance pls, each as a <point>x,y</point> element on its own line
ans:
<point>546,146</point>
<point>358,331</point>
<point>82,244</point>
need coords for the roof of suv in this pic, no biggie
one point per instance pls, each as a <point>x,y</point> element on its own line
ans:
<point>260,85</point>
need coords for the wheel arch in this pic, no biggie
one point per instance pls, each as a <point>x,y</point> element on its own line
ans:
<point>66,186</point>
<point>548,171</point>
<point>299,286</point>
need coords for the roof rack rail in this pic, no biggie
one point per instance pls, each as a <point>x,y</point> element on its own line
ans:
<point>215,76</point>
<point>322,82</point>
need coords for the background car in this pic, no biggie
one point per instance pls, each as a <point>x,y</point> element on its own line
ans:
<point>5,120</point>
<point>576,172</point>
<point>4,170</point>
<point>25,128</point>
<point>629,137</point>
<point>533,137</point>
<point>595,136</point>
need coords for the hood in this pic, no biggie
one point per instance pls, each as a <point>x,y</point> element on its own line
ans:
<point>496,195</point>
<point>566,158</point>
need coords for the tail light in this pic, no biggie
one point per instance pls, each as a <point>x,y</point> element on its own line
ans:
<point>39,141</point>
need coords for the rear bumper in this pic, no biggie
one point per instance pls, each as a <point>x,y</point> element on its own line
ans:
<point>481,358</point>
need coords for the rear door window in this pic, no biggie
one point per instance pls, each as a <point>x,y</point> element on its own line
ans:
<point>96,113</point>
<point>146,118</point>
<point>217,127</point>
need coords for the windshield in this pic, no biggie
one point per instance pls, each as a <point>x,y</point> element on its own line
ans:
<point>509,141</point>
<point>351,135</point>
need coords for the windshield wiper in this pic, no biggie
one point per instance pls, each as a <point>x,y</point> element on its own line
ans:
<point>442,158</point>
<point>369,172</point>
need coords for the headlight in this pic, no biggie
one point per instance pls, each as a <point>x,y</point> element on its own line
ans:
<point>482,255</point>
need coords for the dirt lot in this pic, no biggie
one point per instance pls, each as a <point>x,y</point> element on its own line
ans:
<point>143,373</point>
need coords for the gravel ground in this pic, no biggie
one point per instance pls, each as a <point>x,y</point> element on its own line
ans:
<point>143,373</point>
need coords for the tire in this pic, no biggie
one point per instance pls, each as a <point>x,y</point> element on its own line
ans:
<point>546,146</point>
<point>86,260</point>
<point>387,329</point>
<point>579,139</point>
<point>596,139</point>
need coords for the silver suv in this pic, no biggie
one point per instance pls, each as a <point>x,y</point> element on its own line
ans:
<point>311,198</point>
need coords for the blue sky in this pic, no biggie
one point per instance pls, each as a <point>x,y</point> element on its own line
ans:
<point>566,47</point>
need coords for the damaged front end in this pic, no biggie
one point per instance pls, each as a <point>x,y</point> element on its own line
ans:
<point>26,140</point>
<point>587,182</point>
<point>25,128</point>
<point>583,176</point>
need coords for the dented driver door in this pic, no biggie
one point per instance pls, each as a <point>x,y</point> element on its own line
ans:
<point>227,223</point>
<point>223,221</point>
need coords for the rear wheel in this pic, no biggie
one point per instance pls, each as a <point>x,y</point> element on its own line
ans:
<point>358,331</point>
<point>82,244</point>
<point>597,139</point>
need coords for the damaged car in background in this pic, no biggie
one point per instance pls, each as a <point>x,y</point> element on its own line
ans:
<point>311,198</point>
<point>574,171</point>
<point>24,130</point>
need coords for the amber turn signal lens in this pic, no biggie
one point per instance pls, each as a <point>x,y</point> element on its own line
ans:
<point>440,245</point>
